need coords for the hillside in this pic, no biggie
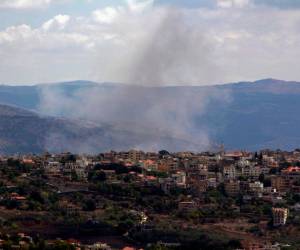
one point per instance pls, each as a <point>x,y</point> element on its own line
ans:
<point>23,131</point>
<point>251,116</point>
<point>263,114</point>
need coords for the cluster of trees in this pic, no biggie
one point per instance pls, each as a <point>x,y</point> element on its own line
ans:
<point>119,168</point>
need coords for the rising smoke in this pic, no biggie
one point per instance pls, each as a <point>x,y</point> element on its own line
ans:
<point>173,52</point>
<point>176,52</point>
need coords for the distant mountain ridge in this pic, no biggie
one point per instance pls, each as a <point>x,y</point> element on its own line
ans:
<point>260,114</point>
<point>267,85</point>
<point>28,97</point>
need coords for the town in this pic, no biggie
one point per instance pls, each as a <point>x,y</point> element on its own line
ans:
<point>148,200</point>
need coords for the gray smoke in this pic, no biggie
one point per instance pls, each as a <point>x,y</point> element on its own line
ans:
<point>175,52</point>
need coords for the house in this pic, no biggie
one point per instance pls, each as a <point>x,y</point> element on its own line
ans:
<point>291,173</point>
<point>235,155</point>
<point>17,197</point>
<point>149,165</point>
<point>270,161</point>
<point>98,246</point>
<point>129,248</point>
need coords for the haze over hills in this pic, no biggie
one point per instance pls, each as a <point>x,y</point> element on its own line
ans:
<point>245,115</point>
<point>23,131</point>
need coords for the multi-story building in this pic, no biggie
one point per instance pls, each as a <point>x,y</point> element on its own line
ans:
<point>291,173</point>
<point>179,178</point>
<point>229,172</point>
<point>280,183</point>
<point>279,216</point>
<point>136,155</point>
<point>232,187</point>
<point>256,187</point>
<point>251,171</point>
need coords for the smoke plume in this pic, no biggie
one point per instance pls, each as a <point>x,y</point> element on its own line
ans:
<point>173,52</point>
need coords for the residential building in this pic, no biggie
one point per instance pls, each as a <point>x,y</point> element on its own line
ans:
<point>279,216</point>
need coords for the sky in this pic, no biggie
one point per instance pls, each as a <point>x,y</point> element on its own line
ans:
<point>186,42</point>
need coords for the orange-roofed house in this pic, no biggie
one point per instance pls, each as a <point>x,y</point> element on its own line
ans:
<point>28,161</point>
<point>129,248</point>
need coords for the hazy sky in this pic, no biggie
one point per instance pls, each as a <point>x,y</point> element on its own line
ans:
<point>105,40</point>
